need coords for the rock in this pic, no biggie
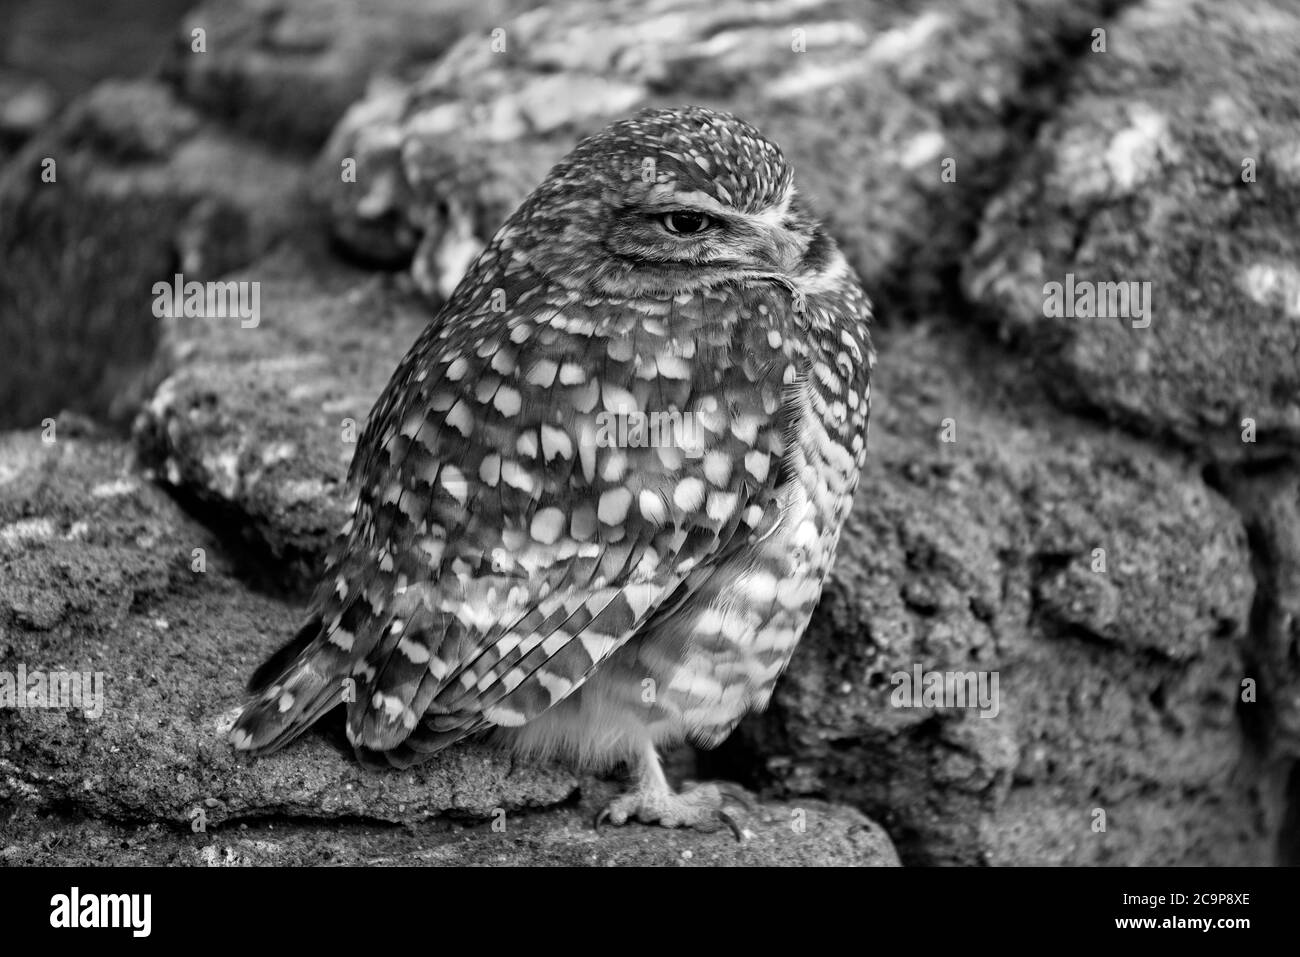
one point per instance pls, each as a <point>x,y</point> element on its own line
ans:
<point>127,188</point>
<point>1269,500</point>
<point>97,575</point>
<point>830,836</point>
<point>441,162</point>
<point>285,70</point>
<point>260,424</point>
<point>26,104</point>
<point>1174,162</point>
<point>71,46</point>
<point>1118,689</point>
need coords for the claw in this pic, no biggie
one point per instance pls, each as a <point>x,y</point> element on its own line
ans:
<point>736,795</point>
<point>730,821</point>
<point>704,807</point>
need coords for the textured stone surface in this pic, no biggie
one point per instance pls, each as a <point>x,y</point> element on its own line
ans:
<point>96,575</point>
<point>1269,500</point>
<point>262,422</point>
<point>73,45</point>
<point>287,69</point>
<point>1117,688</point>
<point>442,162</point>
<point>26,104</point>
<point>811,833</point>
<point>142,189</point>
<point>1139,178</point>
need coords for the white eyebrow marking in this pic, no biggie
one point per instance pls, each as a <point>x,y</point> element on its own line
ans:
<point>775,215</point>
<point>666,197</point>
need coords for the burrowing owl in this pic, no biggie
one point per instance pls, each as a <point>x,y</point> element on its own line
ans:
<point>599,496</point>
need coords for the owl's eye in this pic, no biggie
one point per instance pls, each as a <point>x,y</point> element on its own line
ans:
<point>685,223</point>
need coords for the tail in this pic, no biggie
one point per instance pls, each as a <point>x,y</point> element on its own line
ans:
<point>293,690</point>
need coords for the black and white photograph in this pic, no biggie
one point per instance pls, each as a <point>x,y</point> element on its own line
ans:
<point>855,434</point>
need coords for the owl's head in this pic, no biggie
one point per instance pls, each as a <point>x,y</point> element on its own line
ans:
<point>665,202</point>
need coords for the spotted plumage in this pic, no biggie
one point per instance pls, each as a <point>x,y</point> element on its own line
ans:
<point>599,496</point>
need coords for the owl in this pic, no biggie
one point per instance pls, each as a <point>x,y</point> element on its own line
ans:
<point>599,496</point>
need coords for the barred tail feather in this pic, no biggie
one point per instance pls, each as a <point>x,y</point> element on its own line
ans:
<point>275,666</point>
<point>294,689</point>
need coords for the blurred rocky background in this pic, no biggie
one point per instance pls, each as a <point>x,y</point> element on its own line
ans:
<point>167,487</point>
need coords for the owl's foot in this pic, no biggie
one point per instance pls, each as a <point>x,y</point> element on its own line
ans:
<point>701,806</point>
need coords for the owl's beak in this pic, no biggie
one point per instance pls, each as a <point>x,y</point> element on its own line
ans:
<point>785,250</point>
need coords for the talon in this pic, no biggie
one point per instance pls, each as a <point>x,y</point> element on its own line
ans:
<point>601,817</point>
<point>730,821</point>
<point>736,795</point>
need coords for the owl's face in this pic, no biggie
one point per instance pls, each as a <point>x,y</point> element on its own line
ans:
<point>664,203</point>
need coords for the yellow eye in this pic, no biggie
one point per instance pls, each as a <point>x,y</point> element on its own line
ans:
<point>685,222</point>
